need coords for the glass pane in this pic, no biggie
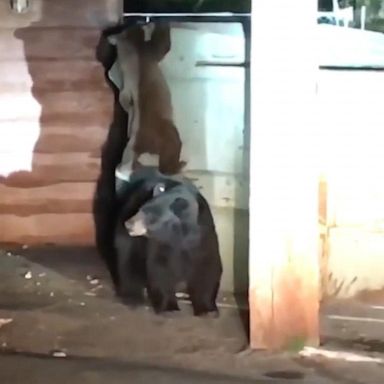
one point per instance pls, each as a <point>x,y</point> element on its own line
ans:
<point>351,33</point>
<point>325,5</point>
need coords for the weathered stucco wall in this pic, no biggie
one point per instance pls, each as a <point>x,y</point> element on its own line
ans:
<point>351,142</point>
<point>55,110</point>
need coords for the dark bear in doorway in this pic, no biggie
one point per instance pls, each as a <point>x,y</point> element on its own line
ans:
<point>165,236</point>
<point>104,200</point>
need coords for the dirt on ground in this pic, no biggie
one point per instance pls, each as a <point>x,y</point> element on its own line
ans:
<point>58,302</point>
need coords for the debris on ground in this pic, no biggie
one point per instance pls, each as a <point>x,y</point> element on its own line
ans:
<point>58,353</point>
<point>182,295</point>
<point>103,326</point>
<point>94,289</point>
<point>5,322</point>
<point>28,275</point>
<point>339,355</point>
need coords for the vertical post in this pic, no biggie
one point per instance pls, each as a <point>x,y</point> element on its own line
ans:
<point>284,265</point>
<point>19,6</point>
<point>363,16</point>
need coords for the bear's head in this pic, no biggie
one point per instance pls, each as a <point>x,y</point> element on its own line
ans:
<point>170,216</point>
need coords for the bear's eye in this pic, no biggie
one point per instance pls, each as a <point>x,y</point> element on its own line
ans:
<point>159,188</point>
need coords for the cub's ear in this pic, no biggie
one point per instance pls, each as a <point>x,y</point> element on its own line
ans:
<point>158,189</point>
<point>178,206</point>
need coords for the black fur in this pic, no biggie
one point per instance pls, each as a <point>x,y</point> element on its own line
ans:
<point>104,202</point>
<point>162,260</point>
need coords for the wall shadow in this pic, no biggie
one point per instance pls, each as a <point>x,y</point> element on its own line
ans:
<point>36,59</point>
<point>58,48</point>
<point>28,35</point>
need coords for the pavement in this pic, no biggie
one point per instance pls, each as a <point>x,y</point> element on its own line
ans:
<point>60,323</point>
<point>83,371</point>
<point>17,369</point>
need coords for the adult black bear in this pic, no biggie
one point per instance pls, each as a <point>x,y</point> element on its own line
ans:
<point>166,235</point>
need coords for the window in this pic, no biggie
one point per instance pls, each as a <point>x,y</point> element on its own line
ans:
<point>351,33</point>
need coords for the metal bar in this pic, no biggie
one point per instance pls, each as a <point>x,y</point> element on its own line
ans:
<point>188,14</point>
<point>203,63</point>
<point>188,17</point>
<point>352,68</point>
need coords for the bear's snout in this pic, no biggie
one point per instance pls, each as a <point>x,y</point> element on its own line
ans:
<point>136,225</point>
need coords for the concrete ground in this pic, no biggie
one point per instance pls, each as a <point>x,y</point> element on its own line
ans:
<point>60,323</point>
<point>84,371</point>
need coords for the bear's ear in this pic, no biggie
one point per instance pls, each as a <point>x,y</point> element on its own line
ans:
<point>178,206</point>
<point>158,189</point>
